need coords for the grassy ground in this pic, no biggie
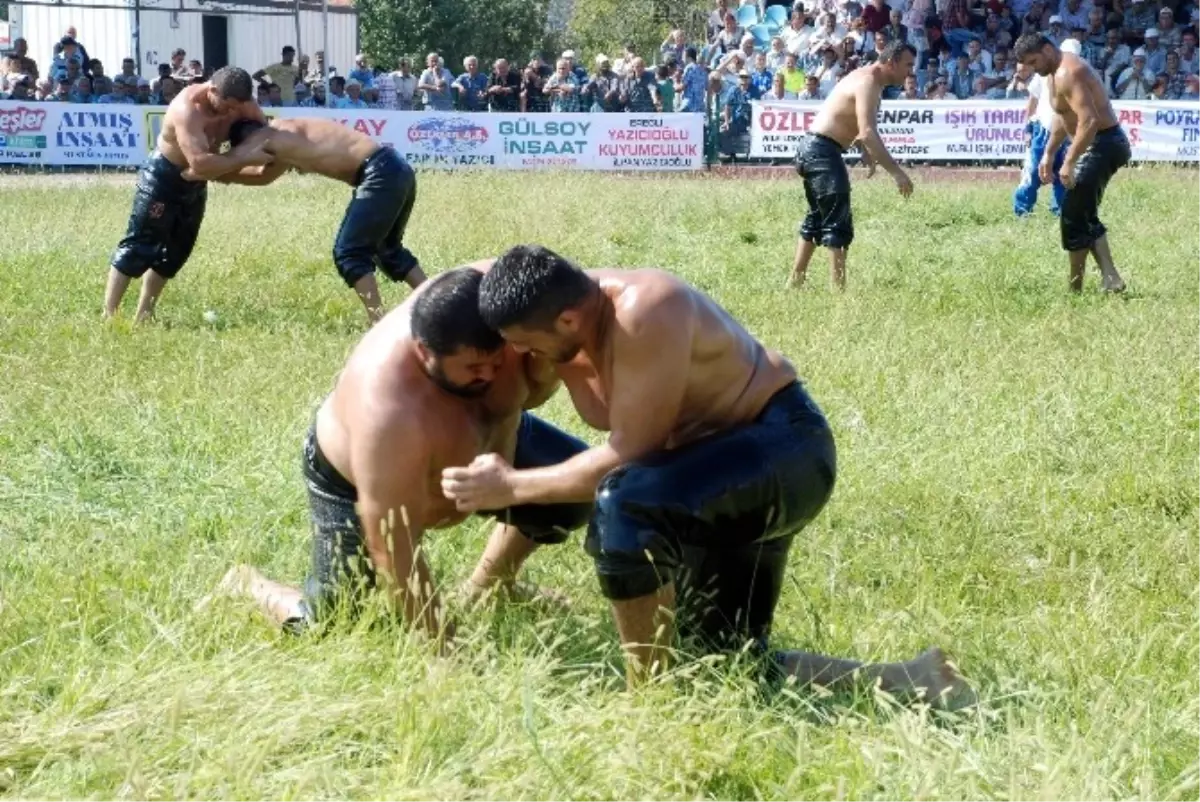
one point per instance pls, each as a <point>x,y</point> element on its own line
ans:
<point>1018,483</point>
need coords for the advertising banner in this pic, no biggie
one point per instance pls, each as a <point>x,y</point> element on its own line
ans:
<point>983,130</point>
<point>119,134</point>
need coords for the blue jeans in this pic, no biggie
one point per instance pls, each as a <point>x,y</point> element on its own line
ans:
<point>1025,195</point>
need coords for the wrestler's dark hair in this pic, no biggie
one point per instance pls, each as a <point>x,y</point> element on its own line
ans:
<point>445,315</point>
<point>530,286</point>
<point>1028,45</point>
<point>233,83</point>
<point>242,129</point>
<point>894,49</point>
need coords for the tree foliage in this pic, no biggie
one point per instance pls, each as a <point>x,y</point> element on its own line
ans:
<point>454,29</point>
<point>606,26</point>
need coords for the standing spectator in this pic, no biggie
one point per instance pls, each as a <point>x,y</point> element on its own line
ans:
<point>72,33</point>
<point>577,69</point>
<point>736,118</point>
<point>625,62</point>
<point>673,46</point>
<point>179,67</point>
<point>533,85</point>
<point>716,20</point>
<point>362,72</point>
<point>18,61</point>
<point>435,84</point>
<point>405,86</point>
<point>67,57</point>
<point>471,87</point>
<point>666,87</point>
<point>603,92</point>
<point>695,82</point>
<point>1156,54</point>
<point>504,88</point>
<point>317,73</point>
<point>1169,34</point>
<point>562,88</point>
<point>639,91</point>
<point>283,74</point>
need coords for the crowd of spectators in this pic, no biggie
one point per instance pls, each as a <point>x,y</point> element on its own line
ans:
<point>1144,49</point>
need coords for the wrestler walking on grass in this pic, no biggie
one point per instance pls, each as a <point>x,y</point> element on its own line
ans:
<point>1099,148</point>
<point>169,208</point>
<point>385,188</point>
<point>846,116</point>
<point>716,458</point>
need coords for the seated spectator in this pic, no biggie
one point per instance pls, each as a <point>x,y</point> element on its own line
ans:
<point>1135,81</point>
<point>1113,59</point>
<point>1074,14</point>
<point>352,99</point>
<point>129,69</point>
<point>937,47</point>
<point>504,88</point>
<point>778,91</point>
<point>1169,34</point>
<point>876,15</point>
<point>434,85</point>
<point>979,60</point>
<point>793,76</point>
<point>1189,56</point>
<point>716,20</point>
<point>829,35</point>
<point>275,96</point>
<point>562,89</point>
<point>260,95</point>
<point>728,39</point>
<point>848,58</point>
<point>910,90</point>
<point>666,87</point>
<point>471,87</point>
<point>1095,33</point>
<point>1158,91</point>
<point>880,41</point>
<point>337,92</point>
<point>776,55</point>
<point>828,72</point>
<point>1139,16</point>
<point>927,75</point>
<point>812,89</point>
<point>962,80</point>
<point>81,90</point>
<point>1018,87</point>
<point>303,93</point>
<point>1175,77</point>
<point>1191,87</point>
<point>895,29</point>
<point>939,90</point>
<point>1156,54</point>
<point>101,83</point>
<point>993,38</point>
<point>196,74</point>
<point>317,98</point>
<point>581,75</point>
<point>142,91</point>
<point>120,91</point>
<point>673,46</point>
<point>164,71</point>
<point>981,90</point>
<point>762,78</point>
<point>1057,32</point>
<point>62,90</point>
<point>20,87</point>
<point>44,89</point>
<point>797,35</point>
<point>362,73</point>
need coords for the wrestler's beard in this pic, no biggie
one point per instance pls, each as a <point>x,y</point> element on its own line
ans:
<point>475,389</point>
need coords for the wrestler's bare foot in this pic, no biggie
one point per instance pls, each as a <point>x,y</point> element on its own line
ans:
<point>1113,283</point>
<point>238,581</point>
<point>514,592</point>
<point>795,281</point>
<point>938,681</point>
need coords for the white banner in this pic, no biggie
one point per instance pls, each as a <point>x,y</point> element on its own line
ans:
<point>977,130</point>
<point>117,134</point>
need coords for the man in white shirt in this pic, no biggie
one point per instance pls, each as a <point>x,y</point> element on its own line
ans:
<point>1137,79</point>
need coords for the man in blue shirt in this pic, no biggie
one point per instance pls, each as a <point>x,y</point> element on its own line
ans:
<point>471,87</point>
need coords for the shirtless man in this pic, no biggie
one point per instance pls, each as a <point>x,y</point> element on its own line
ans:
<point>717,457</point>
<point>168,208</point>
<point>384,190</point>
<point>847,115</point>
<point>428,387</point>
<point>1098,149</point>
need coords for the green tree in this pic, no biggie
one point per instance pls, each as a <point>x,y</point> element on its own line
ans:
<point>454,29</point>
<point>605,26</point>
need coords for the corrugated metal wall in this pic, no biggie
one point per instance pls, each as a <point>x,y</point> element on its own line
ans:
<point>255,39</point>
<point>107,34</point>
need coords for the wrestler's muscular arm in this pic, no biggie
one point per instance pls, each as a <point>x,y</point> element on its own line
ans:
<point>866,108</point>
<point>651,358</point>
<point>204,164</point>
<point>390,460</point>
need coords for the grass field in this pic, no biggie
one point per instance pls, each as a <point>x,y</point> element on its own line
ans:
<point>1018,484</point>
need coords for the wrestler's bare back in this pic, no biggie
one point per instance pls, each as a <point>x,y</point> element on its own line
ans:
<point>188,104</point>
<point>731,375</point>
<point>313,145</point>
<point>1072,72</point>
<point>384,380</point>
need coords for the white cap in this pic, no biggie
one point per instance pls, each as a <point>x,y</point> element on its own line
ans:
<point>1055,19</point>
<point>1152,33</point>
<point>1139,53</point>
<point>569,54</point>
<point>1070,46</point>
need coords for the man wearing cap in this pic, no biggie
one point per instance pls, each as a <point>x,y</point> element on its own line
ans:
<point>581,75</point>
<point>142,88</point>
<point>1136,80</point>
<point>1099,148</point>
<point>1039,117</point>
<point>1056,33</point>
<point>1169,34</point>
<point>1156,54</point>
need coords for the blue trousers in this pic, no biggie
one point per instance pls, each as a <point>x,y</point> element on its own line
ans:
<point>1025,195</point>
